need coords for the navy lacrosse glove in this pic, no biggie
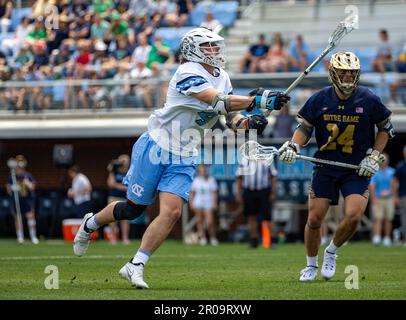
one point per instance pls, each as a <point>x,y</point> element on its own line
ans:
<point>267,99</point>
<point>258,122</point>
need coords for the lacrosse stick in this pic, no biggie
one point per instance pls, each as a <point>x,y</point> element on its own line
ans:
<point>12,164</point>
<point>343,28</point>
<point>252,150</point>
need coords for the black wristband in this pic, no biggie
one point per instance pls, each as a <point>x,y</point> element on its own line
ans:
<point>239,121</point>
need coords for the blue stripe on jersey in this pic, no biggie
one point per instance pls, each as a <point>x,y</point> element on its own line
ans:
<point>187,83</point>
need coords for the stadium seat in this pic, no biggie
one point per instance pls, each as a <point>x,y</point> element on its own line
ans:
<point>47,207</point>
<point>17,15</point>
<point>224,11</point>
<point>366,56</point>
<point>66,208</point>
<point>58,93</point>
<point>6,224</point>
<point>172,36</point>
<point>99,199</point>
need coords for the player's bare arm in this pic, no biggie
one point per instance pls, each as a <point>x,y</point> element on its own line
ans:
<point>229,105</point>
<point>29,184</point>
<point>259,98</point>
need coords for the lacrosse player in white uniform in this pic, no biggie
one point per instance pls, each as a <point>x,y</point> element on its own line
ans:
<point>163,160</point>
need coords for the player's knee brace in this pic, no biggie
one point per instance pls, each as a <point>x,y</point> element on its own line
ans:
<point>126,210</point>
<point>313,226</point>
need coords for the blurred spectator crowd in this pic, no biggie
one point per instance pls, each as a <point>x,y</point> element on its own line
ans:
<point>280,55</point>
<point>283,56</point>
<point>85,39</point>
<point>121,40</point>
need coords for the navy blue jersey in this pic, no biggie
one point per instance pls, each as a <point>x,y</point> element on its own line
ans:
<point>344,129</point>
<point>118,177</point>
<point>24,191</point>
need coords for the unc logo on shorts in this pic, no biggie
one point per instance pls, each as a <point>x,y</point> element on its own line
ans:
<point>137,190</point>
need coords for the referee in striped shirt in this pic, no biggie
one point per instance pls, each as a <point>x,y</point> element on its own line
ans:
<point>256,190</point>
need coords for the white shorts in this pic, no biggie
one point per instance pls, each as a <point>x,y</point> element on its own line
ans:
<point>202,205</point>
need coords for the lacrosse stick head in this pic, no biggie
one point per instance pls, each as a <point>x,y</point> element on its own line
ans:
<point>252,150</point>
<point>343,28</point>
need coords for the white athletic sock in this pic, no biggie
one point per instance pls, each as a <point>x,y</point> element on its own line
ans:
<point>141,257</point>
<point>332,248</point>
<point>20,233</point>
<point>31,226</point>
<point>92,224</point>
<point>312,261</point>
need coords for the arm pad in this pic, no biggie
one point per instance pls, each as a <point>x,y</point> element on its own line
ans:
<point>386,126</point>
<point>221,103</point>
<point>306,129</point>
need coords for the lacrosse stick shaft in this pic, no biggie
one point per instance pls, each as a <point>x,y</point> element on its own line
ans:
<point>330,162</point>
<point>334,39</point>
<point>308,70</point>
<point>299,79</point>
<point>16,201</point>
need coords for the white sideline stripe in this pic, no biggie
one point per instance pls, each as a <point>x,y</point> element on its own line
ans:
<point>60,257</point>
<point>201,256</point>
<point>109,257</point>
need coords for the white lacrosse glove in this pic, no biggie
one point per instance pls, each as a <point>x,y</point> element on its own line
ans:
<point>288,152</point>
<point>15,188</point>
<point>370,164</point>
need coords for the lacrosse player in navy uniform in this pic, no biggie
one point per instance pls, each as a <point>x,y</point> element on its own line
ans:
<point>343,116</point>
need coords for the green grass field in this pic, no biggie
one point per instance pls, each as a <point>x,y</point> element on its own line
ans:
<point>177,271</point>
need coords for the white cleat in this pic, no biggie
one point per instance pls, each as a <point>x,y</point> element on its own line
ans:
<point>20,240</point>
<point>329,265</point>
<point>134,273</point>
<point>387,242</point>
<point>308,274</point>
<point>82,238</point>
<point>203,241</point>
<point>376,240</point>
<point>214,242</point>
<point>35,240</point>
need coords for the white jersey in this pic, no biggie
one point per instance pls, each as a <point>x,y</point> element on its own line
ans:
<point>79,183</point>
<point>168,126</point>
<point>203,192</point>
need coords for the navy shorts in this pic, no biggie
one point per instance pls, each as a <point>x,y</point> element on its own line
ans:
<point>328,182</point>
<point>257,202</point>
<point>25,205</point>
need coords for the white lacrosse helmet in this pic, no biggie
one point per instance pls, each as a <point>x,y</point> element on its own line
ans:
<point>204,46</point>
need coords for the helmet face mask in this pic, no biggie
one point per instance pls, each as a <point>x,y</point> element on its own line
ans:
<point>204,46</point>
<point>344,72</point>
